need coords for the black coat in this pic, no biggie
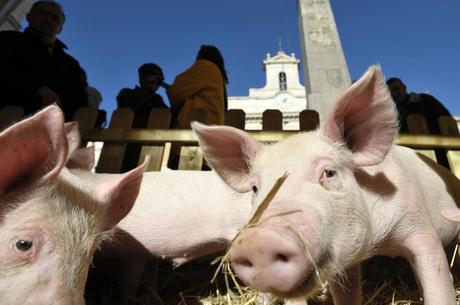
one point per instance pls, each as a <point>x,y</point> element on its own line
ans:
<point>425,105</point>
<point>26,64</point>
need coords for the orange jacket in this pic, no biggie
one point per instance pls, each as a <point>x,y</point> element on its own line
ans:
<point>199,87</point>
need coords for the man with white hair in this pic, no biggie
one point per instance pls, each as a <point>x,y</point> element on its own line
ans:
<point>35,70</point>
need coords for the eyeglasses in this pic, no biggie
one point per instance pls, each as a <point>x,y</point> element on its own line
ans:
<point>53,17</point>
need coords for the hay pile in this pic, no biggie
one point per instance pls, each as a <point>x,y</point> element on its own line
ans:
<point>386,281</point>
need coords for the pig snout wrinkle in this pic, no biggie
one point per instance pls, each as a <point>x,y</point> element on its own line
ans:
<point>268,262</point>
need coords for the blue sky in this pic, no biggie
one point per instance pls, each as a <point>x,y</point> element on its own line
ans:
<point>417,40</point>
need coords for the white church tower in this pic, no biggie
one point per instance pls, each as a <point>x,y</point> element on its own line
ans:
<point>282,91</point>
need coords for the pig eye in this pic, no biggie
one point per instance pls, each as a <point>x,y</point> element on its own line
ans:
<point>23,245</point>
<point>254,189</point>
<point>329,179</point>
<point>328,173</point>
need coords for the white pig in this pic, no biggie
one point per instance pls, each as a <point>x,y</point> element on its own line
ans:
<point>178,215</point>
<point>350,194</point>
<point>51,220</point>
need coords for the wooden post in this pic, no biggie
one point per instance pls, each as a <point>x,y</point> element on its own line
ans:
<point>191,157</point>
<point>448,127</point>
<point>308,120</point>
<point>112,154</point>
<point>416,124</point>
<point>86,118</point>
<point>235,118</point>
<point>10,115</point>
<point>272,119</point>
<point>159,118</point>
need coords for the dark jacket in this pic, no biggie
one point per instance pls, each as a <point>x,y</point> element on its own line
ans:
<point>26,64</point>
<point>423,104</point>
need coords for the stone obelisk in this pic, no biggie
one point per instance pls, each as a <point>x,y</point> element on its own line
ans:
<point>325,69</point>
<point>12,12</point>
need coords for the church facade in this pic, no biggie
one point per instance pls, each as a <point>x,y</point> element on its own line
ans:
<point>282,91</point>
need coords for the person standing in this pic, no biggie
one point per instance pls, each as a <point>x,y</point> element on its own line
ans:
<point>202,86</point>
<point>143,98</point>
<point>35,69</point>
<point>416,103</point>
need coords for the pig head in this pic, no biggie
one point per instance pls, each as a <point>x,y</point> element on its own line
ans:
<point>350,194</point>
<point>51,220</point>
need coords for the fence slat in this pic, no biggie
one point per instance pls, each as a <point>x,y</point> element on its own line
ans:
<point>86,118</point>
<point>199,115</point>
<point>191,157</point>
<point>112,154</point>
<point>449,127</point>
<point>159,118</point>
<point>272,119</point>
<point>235,118</point>
<point>308,120</point>
<point>10,115</point>
<point>416,124</point>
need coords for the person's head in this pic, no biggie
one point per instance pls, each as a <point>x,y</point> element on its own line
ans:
<point>213,54</point>
<point>46,19</point>
<point>398,89</point>
<point>150,75</point>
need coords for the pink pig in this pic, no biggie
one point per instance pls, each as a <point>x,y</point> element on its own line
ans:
<point>178,215</point>
<point>51,220</point>
<point>350,194</point>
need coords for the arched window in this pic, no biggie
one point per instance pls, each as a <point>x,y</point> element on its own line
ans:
<point>283,83</point>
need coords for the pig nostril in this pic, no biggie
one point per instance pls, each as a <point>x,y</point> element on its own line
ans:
<point>246,263</point>
<point>281,257</point>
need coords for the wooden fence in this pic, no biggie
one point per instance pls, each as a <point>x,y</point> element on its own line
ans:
<point>157,140</point>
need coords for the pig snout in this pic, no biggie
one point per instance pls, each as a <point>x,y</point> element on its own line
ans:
<point>269,261</point>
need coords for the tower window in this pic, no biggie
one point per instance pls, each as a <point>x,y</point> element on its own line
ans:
<point>283,83</point>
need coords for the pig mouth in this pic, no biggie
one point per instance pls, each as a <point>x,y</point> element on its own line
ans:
<point>306,289</point>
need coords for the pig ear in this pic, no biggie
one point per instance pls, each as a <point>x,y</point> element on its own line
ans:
<point>34,150</point>
<point>452,214</point>
<point>82,158</point>
<point>73,136</point>
<point>364,118</point>
<point>120,193</point>
<point>229,151</point>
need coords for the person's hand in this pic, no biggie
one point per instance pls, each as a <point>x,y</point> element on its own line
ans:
<point>49,96</point>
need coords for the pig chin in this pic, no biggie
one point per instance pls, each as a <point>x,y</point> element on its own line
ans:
<point>306,290</point>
